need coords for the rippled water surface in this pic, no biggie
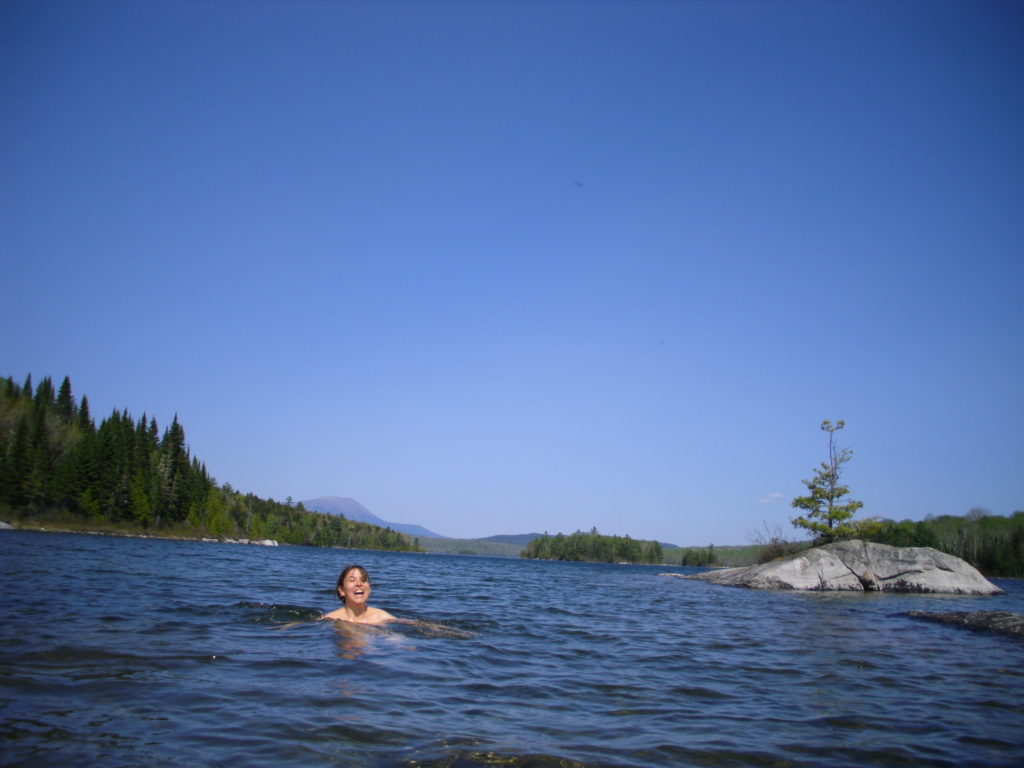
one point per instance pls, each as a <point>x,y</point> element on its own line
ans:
<point>141,652</point>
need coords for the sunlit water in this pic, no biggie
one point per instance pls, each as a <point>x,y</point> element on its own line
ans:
<point>132,652</point>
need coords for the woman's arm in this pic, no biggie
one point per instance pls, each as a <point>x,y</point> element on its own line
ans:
<point>434,628</point>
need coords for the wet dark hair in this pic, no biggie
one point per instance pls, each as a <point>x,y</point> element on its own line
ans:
<point>341,578</point>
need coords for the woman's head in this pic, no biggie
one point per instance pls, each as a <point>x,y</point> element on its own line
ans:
<point>355,581</point>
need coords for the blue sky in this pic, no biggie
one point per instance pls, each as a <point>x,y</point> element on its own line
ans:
<point>499,267</point>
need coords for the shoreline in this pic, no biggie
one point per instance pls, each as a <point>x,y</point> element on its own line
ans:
<point>133,535</point>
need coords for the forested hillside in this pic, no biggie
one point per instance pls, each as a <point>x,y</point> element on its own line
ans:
<point>58,467</point>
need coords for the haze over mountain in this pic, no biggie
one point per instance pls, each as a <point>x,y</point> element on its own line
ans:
<point>353,510</point>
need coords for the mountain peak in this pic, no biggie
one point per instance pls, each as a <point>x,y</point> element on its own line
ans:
<point>336,505</point>
<point>353,510</point>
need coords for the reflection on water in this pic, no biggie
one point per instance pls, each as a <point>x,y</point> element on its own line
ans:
<point>183,654</point>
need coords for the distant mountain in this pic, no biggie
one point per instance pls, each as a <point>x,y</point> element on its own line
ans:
<point>353,510</point>
<point>350,508</point>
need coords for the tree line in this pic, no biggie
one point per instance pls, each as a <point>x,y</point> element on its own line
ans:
<point>991,543</point>
<point>698,556</point>
<point>593,547</point>
<point>56,464</point>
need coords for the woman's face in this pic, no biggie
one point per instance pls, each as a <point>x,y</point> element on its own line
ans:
<point>355,587</point>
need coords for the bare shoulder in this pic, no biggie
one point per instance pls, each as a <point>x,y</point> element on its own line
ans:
<point>371,616</point>
<point>379,616</point>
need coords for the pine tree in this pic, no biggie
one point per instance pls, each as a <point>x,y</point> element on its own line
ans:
<point>173,467</point>
<point>66,402</point>
<point>20,490</point>
<point>85,422</point>
<point>9,389</point>
<point>825,516</point>
<point>44,393</point>
<point>42,449</point>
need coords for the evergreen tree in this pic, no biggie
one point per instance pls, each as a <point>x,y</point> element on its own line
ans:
<point>138,498</point>
<point>66,402</point>
<point>42,459</point>
<point>8,388</point>
<point>85,466</point>
<point>6,471</point>
<point>826,516</point>
<point>173,468</point>
<point>44,393</point>
<point>85,422</point>
<point>20,490</point>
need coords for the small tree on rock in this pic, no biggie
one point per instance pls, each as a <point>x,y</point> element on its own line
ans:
<point>825,515</point>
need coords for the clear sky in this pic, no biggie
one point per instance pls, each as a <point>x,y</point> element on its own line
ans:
<point>501,267</point>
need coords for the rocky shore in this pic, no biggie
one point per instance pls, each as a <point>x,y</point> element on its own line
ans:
<point>1001,622</point>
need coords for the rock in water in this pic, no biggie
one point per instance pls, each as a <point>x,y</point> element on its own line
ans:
<point>860,566</point>
<point>1003,622</point>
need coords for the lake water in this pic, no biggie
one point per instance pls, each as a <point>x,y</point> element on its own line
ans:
<point>142,652</point>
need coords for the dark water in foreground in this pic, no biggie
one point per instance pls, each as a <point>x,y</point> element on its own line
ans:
<point>131,652</point>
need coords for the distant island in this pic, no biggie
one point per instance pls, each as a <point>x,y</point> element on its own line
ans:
<point>594,547</point>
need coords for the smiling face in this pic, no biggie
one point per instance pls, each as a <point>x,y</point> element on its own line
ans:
<point>354,586</point>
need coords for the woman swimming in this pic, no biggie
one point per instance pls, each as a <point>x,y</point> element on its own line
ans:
<point>354,590</point>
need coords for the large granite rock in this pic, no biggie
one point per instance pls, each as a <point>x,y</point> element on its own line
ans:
<point>860,566</point>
